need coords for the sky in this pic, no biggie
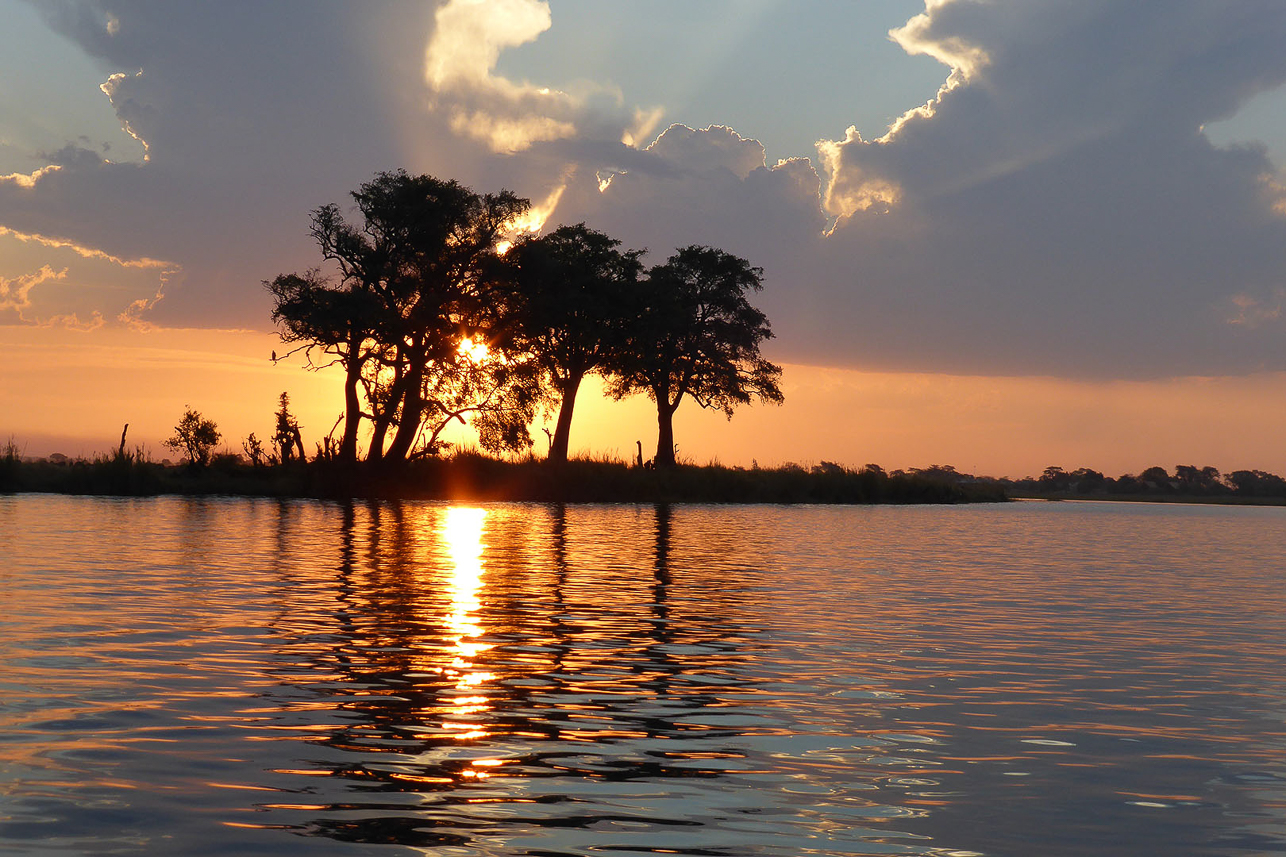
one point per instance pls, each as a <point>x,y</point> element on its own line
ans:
<point>997,234</point>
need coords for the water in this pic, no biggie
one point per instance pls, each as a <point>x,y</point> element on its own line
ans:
<point>214,676</point>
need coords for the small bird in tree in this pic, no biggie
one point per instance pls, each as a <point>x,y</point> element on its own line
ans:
<point>195,437</point>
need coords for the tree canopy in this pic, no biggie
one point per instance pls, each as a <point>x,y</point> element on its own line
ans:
<point>697,335</point>
<point>409,315</point>
<point>195,437</point>
<point>432,323</point>
<point>570,307</point>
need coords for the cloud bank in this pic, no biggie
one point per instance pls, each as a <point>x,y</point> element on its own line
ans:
<point>1056,209</point>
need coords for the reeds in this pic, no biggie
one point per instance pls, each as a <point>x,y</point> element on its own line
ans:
<point>468,475</point>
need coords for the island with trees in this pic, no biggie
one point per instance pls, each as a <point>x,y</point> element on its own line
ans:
<point>436,312</point>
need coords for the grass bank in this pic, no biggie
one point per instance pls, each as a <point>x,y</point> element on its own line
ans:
<point>474,477</point>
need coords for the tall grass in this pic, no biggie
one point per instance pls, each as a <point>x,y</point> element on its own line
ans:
<point>470,475</point>
<point>10,465</point>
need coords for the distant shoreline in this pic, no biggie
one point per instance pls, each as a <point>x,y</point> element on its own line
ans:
<point>476,478</point>
<point>1181,499</point>
<point>469,476</point>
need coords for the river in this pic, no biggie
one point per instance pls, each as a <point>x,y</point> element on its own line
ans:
<point>223,675</point>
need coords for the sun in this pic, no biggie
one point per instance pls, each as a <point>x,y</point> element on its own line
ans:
<point>474,349</point>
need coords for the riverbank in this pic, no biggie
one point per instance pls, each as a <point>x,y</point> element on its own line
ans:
<point>473,477</point>
<point>1189,499</point>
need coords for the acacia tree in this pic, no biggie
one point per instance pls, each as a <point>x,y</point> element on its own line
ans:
<point>568,310</point>
<point>409,314</point>
<point>195,437</point>
<point>696,335</point>
<point>332,322</point>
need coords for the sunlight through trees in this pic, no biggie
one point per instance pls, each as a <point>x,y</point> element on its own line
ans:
<point>432,323</point>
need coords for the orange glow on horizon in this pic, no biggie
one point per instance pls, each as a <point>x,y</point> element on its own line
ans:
<point>71,391</point>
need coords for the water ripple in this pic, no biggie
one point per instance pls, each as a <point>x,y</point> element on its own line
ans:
<point>205,676</point>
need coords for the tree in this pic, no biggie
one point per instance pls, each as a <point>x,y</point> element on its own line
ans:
<point>254,450</point>
<point>568,309</point>
<point>1157,479</point>
<point>286,438</point>
<point>195,437</point>
<point>695,334</point>
<point>410,313</point>
<point>334,319</point>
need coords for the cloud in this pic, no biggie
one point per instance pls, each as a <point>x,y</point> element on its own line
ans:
<point>15,293</point>
<point>90,283</point>
<point>469,36</point>
<point>713,148</point>
<point>249,116</point>
<point>460,62</point>
<point>132,114</point>
<point>81,250</point>
<point>703,186</point>
<point>1054,209</point>
<point>510,116</point>
<point>27,181</point>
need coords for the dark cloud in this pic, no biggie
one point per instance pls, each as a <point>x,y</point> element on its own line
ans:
<point>1056,210</point>
<point>1066,212</point>
<point>252,114</point>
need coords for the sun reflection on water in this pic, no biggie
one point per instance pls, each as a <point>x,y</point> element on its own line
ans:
<point>462,530</point>
<point>575,680</point>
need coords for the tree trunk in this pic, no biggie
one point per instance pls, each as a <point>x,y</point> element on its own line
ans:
<point>409,427</point>
<point>383,418</point>
<point>410,391</point>
<point>665,433</point>
<point>352,410</point>
<point>563,428</point>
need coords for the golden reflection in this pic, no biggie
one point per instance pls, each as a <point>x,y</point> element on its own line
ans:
<point>462,532</point>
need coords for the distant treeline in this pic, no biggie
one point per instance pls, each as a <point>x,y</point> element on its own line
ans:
<point>472,475</point>
<point>1187,481</point>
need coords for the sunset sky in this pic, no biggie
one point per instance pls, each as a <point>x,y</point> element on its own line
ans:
<point>997,234</point>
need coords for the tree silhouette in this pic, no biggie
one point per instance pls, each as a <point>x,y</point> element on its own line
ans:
<point>410,314</point>
<point>195,437</point>
<point>286,437</point>
<point>335,320</point>
<point>569,310</point>
<point>695,334</point>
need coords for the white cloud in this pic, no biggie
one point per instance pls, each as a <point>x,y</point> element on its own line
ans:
<point>716,147</point>
<point>469,36</point>
<point>28,180</point>
<point>81,250</point>
<point>15,293</point>
<point>459,66</point>
<point>921,35</point>
<point>510,116</point>
<point>131,113</point>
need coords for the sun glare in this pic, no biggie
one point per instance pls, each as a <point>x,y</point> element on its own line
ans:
<point>462,532</point>
<point>474,348</point>
<point>533,220</point>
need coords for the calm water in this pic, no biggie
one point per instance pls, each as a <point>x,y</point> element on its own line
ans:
<point>211,676</point>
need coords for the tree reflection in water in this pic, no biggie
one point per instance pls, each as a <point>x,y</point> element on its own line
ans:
<point>1036,678</point>
<point>506,679</point>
